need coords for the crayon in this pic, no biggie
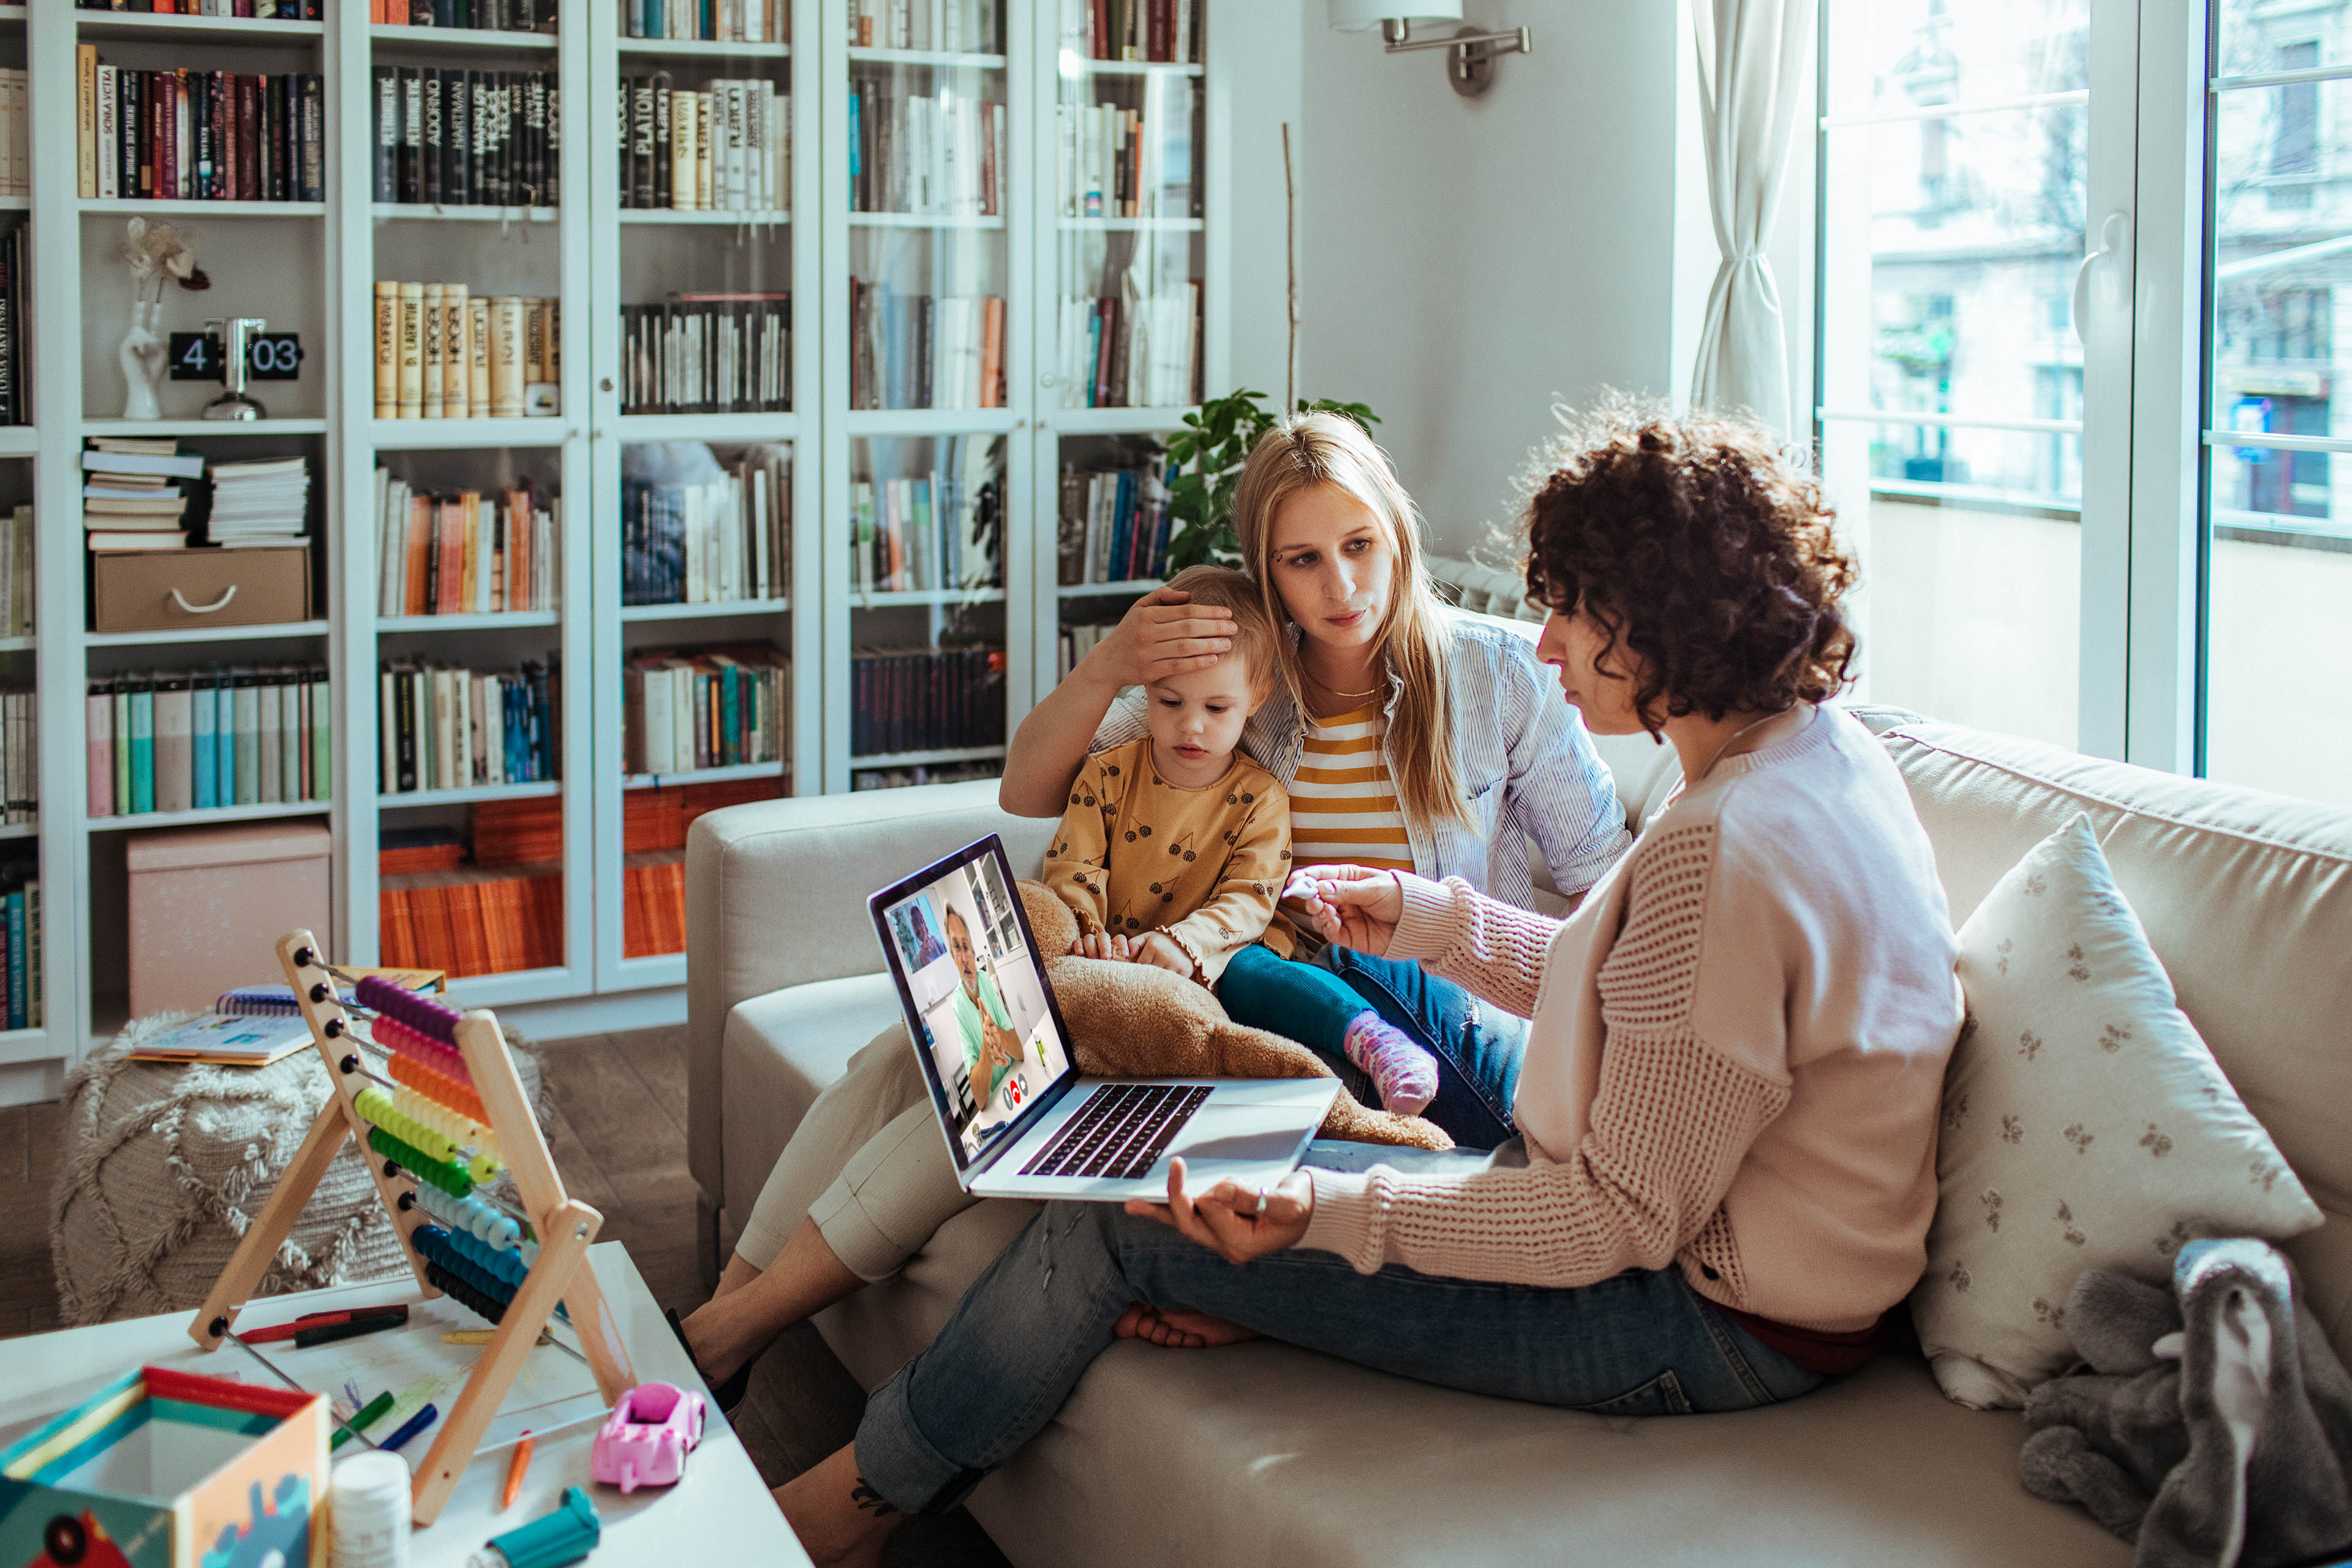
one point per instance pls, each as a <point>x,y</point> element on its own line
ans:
<point>368,1416</point>
<point>410,1428</point>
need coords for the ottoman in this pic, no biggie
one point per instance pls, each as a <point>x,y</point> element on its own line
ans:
<point>165,1164</point>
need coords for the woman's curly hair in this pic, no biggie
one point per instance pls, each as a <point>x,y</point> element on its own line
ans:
<point>1698,544</point>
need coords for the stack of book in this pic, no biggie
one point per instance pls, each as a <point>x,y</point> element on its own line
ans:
<point>441,354</point>
<point>685,710</point>
<point>727,22</point>
<point>726,146</point>
<point>1114,524</point>
<point>1076,642</point>
<point>938,155</point>
<point>16,140</point>
<point>20,757</point>
<point>20,897</point>
<point>952,27</point>
<point>448,728</point>
<point>200,136</point>
<point>1164,30</point>
<point>497,909</point>
<point>261,502</point>
<point>193,739</point>
<point>924,700</point>
<point>527,832</point>
<point>701,533</point>
<point>463,552</point>
<point>467,138</point>
<point>921,351</point>
<point>934,531</point>
<point>491,16</point>
<point>653,848</point>
<point>134,492</point>
<point>1126,351</point>
<point>708,354</point>
<point>16,399</point>
<point>17,584</point>
<point>1116,161</point>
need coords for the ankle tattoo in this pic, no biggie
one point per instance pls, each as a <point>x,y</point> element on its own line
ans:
<point>866,1499</point>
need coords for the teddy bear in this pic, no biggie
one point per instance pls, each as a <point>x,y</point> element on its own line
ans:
<point>1137,1020</point>
<point>2215,1426</point>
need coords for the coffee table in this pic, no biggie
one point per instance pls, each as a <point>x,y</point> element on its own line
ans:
<point>721,1510</point>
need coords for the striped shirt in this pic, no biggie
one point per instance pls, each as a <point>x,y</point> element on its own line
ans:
<point>1343,804</point>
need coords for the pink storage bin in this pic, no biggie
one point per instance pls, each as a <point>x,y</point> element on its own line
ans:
<point>208,905</point>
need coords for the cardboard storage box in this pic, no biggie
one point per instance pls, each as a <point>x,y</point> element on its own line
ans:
<point>166,590</point>
<point>208,905</point>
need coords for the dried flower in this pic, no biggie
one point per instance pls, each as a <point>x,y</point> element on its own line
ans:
<point>155,250</point>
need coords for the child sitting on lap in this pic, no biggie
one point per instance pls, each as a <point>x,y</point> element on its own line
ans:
<point>1175,847</point>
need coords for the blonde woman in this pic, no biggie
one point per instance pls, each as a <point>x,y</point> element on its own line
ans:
<point>1410,736</point>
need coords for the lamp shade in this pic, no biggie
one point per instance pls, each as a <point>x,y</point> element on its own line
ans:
<point>1358,15</point>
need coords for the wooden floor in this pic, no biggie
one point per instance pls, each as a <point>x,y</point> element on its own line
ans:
<point>618,1134</point>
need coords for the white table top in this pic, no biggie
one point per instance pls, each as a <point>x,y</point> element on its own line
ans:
<point>720,1509</point>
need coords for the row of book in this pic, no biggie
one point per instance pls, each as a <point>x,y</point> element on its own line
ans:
<point>653,846</point>
<point>1075,644</point>
<point>655,817</point>
<point>448,728</point>
<point>463,552</point>
<point>696,530</point>
<point>1132,351</point>
<point>924,700</point>
<point>949,26</point>
<point>708,21</point>
<point>19,588</point>
<point>491,16</point>
<point>1116,162</point>
<point>467,138</point>
<point>23,979</point>
<point>939,154</point>
<point>470,922</point>
<point>442,354</point>
<point>16,138</point>
<point>1163,30</point>
<point>686,709</point>
<point>1114,525</point>
<point>191,739</point>
<point>937,531</point>
<point>653,904</point>
<point>708,354</point>
<point>199,135</point>
<point>20,756</point>
<point>924,351</point>
<point>726,146</point>
<point>279,10</point>
<point>15,395</point>
<point>925,774</point>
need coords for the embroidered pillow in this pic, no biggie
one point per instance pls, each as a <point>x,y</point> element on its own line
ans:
<point>2086,1125</point>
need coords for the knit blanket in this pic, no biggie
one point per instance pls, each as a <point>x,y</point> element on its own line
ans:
<point>165,1166</point>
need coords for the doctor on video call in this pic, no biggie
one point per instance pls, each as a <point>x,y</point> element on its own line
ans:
<point>991,1046</point>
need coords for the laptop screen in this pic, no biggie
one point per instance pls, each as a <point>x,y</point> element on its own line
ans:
<point>974,991</point>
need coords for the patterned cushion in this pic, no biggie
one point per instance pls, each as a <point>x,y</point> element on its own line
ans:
<point>2086,1125</point>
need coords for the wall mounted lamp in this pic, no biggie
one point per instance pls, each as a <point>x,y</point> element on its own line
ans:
<point>1470,54</point>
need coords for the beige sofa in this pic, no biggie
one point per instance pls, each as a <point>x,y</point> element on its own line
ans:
<point>1266,1455</point>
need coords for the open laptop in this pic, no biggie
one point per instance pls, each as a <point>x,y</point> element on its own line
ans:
<point>1030,1125</point>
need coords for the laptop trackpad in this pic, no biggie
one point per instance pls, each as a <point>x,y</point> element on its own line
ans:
<point>1249,1125</point>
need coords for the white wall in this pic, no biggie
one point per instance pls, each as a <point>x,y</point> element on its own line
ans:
<point>1465,262</point>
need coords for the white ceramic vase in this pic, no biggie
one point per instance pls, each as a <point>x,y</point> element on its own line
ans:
<point>141,354</point>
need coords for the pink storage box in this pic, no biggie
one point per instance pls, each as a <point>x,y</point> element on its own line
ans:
<point>208,905</point>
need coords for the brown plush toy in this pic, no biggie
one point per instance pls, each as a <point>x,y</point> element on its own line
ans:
<point>1137,1020</point>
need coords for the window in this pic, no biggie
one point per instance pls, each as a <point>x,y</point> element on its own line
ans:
<point>2088,508</point>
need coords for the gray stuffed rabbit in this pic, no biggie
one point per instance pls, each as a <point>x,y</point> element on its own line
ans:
<point>2215,1426</point>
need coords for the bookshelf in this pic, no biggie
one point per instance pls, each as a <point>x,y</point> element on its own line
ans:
<point>980,433</point>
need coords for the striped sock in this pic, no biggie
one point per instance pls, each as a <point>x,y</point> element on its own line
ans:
<point>1404,1073</point>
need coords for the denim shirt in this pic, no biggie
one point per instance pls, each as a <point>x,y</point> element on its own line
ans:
<point>1529,769</point>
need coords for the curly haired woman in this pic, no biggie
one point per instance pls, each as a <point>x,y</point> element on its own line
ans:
<point>1727,1104</point>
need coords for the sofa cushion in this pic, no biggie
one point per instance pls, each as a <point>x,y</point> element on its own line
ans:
<point>2085,1126</point>
<point>1266,1455</point>
<point>777,1054</point>
<point>2247,900</point>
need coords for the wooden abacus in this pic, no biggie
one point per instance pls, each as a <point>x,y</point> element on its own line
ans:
<point>451,1114</point>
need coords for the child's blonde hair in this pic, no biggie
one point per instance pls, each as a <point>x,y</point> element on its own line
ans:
<point>1255,639</point>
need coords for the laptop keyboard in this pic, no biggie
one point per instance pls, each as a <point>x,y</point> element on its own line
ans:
<point>1121,1131</point>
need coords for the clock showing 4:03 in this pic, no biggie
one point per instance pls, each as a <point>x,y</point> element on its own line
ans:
<point>199,357</point>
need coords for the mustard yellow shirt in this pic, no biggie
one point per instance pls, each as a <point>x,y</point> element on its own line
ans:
<point>1135,854</point>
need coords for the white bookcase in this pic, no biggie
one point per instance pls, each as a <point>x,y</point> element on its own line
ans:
<point>312,267</point>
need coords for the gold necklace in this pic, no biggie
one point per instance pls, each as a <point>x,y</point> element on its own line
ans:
<point>1735,735</point>
<point>1333,691</point>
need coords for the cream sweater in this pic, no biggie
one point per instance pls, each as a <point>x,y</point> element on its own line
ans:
<point>1736,1058</point>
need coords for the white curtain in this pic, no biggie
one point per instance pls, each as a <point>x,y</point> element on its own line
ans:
<point>1750,79</point>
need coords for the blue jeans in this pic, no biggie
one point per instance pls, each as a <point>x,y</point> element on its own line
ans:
<point>1641,1343</point>
<point>1477,1045</point>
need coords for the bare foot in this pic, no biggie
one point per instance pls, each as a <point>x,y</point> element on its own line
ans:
<point>840,1520</point>
<point>1179,1328</point>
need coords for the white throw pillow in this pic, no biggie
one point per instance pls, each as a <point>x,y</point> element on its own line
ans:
<point>2085,1126</point>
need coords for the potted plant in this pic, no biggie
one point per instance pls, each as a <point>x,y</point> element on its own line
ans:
<point>1206,459</point>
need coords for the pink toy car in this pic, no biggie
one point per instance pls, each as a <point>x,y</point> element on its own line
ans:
<point>646,1440</point>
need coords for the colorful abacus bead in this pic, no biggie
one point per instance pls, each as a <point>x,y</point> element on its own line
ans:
<point>424,1167</point>
<point>398,1037</point>
<point>440,1246</point>
<point>435,1020</point>
<point>464,1294</point>
<point>476,1218</point>
<point>458,1128</point>
<point>414,1072</point>
<point>378,1107</point>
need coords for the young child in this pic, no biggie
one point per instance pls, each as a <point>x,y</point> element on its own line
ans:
<point>1175,847</point>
